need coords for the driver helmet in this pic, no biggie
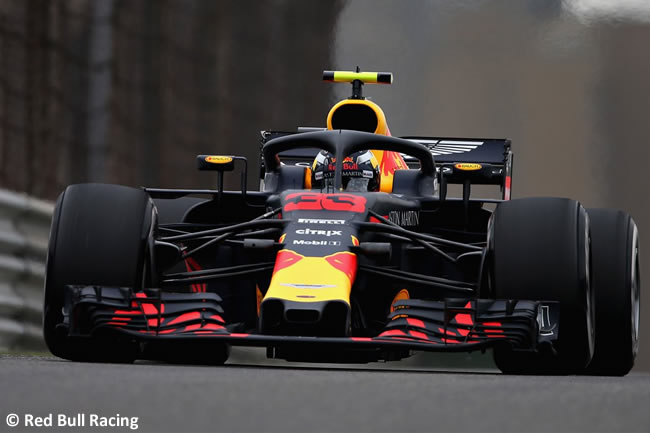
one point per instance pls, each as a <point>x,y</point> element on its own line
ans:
<point>360,171</point>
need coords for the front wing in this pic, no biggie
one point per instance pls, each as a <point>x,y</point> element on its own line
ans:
<point>447,325</point>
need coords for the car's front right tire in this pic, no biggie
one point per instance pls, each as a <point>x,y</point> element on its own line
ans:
<point>99,236</point>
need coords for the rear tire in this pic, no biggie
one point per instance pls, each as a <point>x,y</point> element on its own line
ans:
<point>617,285</point>
<point>539,250</point>
<point>99,236</point>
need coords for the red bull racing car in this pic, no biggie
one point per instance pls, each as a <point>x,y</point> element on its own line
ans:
<point>352,251</point>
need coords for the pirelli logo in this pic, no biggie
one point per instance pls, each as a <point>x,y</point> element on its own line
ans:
<point>320,221</point>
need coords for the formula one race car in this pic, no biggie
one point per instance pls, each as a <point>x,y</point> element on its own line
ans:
<point>351,251</point>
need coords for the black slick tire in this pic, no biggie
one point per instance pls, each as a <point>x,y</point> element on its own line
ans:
<point>617,285</point>
<point>539,249</point>
<point>99,236</point>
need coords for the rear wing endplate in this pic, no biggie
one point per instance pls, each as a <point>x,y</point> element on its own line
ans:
<point>478,161</point>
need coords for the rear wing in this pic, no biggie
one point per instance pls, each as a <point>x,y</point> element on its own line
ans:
<point>464,161</point>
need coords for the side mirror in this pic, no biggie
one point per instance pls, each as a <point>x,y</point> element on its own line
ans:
<point>221,164</point>
<point>215,163</point>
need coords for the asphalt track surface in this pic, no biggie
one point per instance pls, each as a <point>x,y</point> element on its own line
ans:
<point>251,395</point>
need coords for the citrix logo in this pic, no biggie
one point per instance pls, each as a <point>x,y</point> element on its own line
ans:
<point>327,233</point>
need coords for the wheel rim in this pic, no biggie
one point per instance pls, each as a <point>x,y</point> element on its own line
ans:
<point>591,312</point>
<point>635,293</point>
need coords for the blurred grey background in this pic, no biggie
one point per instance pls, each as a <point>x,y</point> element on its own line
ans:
<point>130,91</point>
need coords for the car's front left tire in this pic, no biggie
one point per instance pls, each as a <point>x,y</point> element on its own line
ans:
<point>539,249</point>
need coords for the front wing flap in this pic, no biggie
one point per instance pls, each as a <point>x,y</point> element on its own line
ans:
<point>447,325</point>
